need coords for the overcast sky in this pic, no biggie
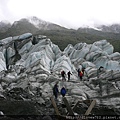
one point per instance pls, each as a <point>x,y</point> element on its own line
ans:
<point>68,13</point>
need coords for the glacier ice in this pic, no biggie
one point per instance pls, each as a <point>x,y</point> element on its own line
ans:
<point>40,65</point>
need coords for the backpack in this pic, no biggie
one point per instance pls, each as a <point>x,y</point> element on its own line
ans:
<point>81,73</point>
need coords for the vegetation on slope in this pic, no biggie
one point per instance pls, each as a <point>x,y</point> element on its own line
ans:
<point>63,37</point>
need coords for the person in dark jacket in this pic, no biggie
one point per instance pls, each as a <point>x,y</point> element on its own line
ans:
<point>63,91</point>
<point>69,73</point>
<point>63,75</point>
<point>55,90</point>
<point>78,72</point>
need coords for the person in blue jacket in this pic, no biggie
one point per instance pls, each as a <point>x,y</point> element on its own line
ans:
<point>63,91</point>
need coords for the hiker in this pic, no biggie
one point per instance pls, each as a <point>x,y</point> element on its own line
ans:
<point>83,70</point>
<point>78,72</point>
<point>81,75</point>
<point>55,90</point>
<point>63,91</point>
<point>63,75</point>
<point>69,73</point>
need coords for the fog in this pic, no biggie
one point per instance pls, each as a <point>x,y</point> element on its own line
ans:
<point>68,13</point>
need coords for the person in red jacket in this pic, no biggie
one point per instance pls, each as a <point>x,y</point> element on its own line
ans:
<point>81,75</point>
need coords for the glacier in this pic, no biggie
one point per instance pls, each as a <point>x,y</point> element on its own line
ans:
<point>35,66</point>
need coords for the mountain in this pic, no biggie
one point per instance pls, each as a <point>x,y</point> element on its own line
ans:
<point>43,25</point>
<point>114,28</point>
<point>20,27</point>
<point>99,32</point>
<point>30,24</point>
<point>4,26</point>
<point>60,35</point>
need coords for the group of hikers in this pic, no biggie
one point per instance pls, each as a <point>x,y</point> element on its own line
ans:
<point>80,74</point>
<point>56,91</point>
<point>63,74</point>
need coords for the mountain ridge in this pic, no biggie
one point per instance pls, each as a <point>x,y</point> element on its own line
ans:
<point>45,25</point>
<point>115,28</point>
<point>60,35</point>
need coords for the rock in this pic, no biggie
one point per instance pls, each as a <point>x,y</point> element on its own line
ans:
<point>41,101</point>
<point>25,36</point>
<point>46,118</point>
<point>2,97</point>
<point>1,113</point>
<point>2,62</point>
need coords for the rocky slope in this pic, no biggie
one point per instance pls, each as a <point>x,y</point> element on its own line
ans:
<point>31,65</point>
